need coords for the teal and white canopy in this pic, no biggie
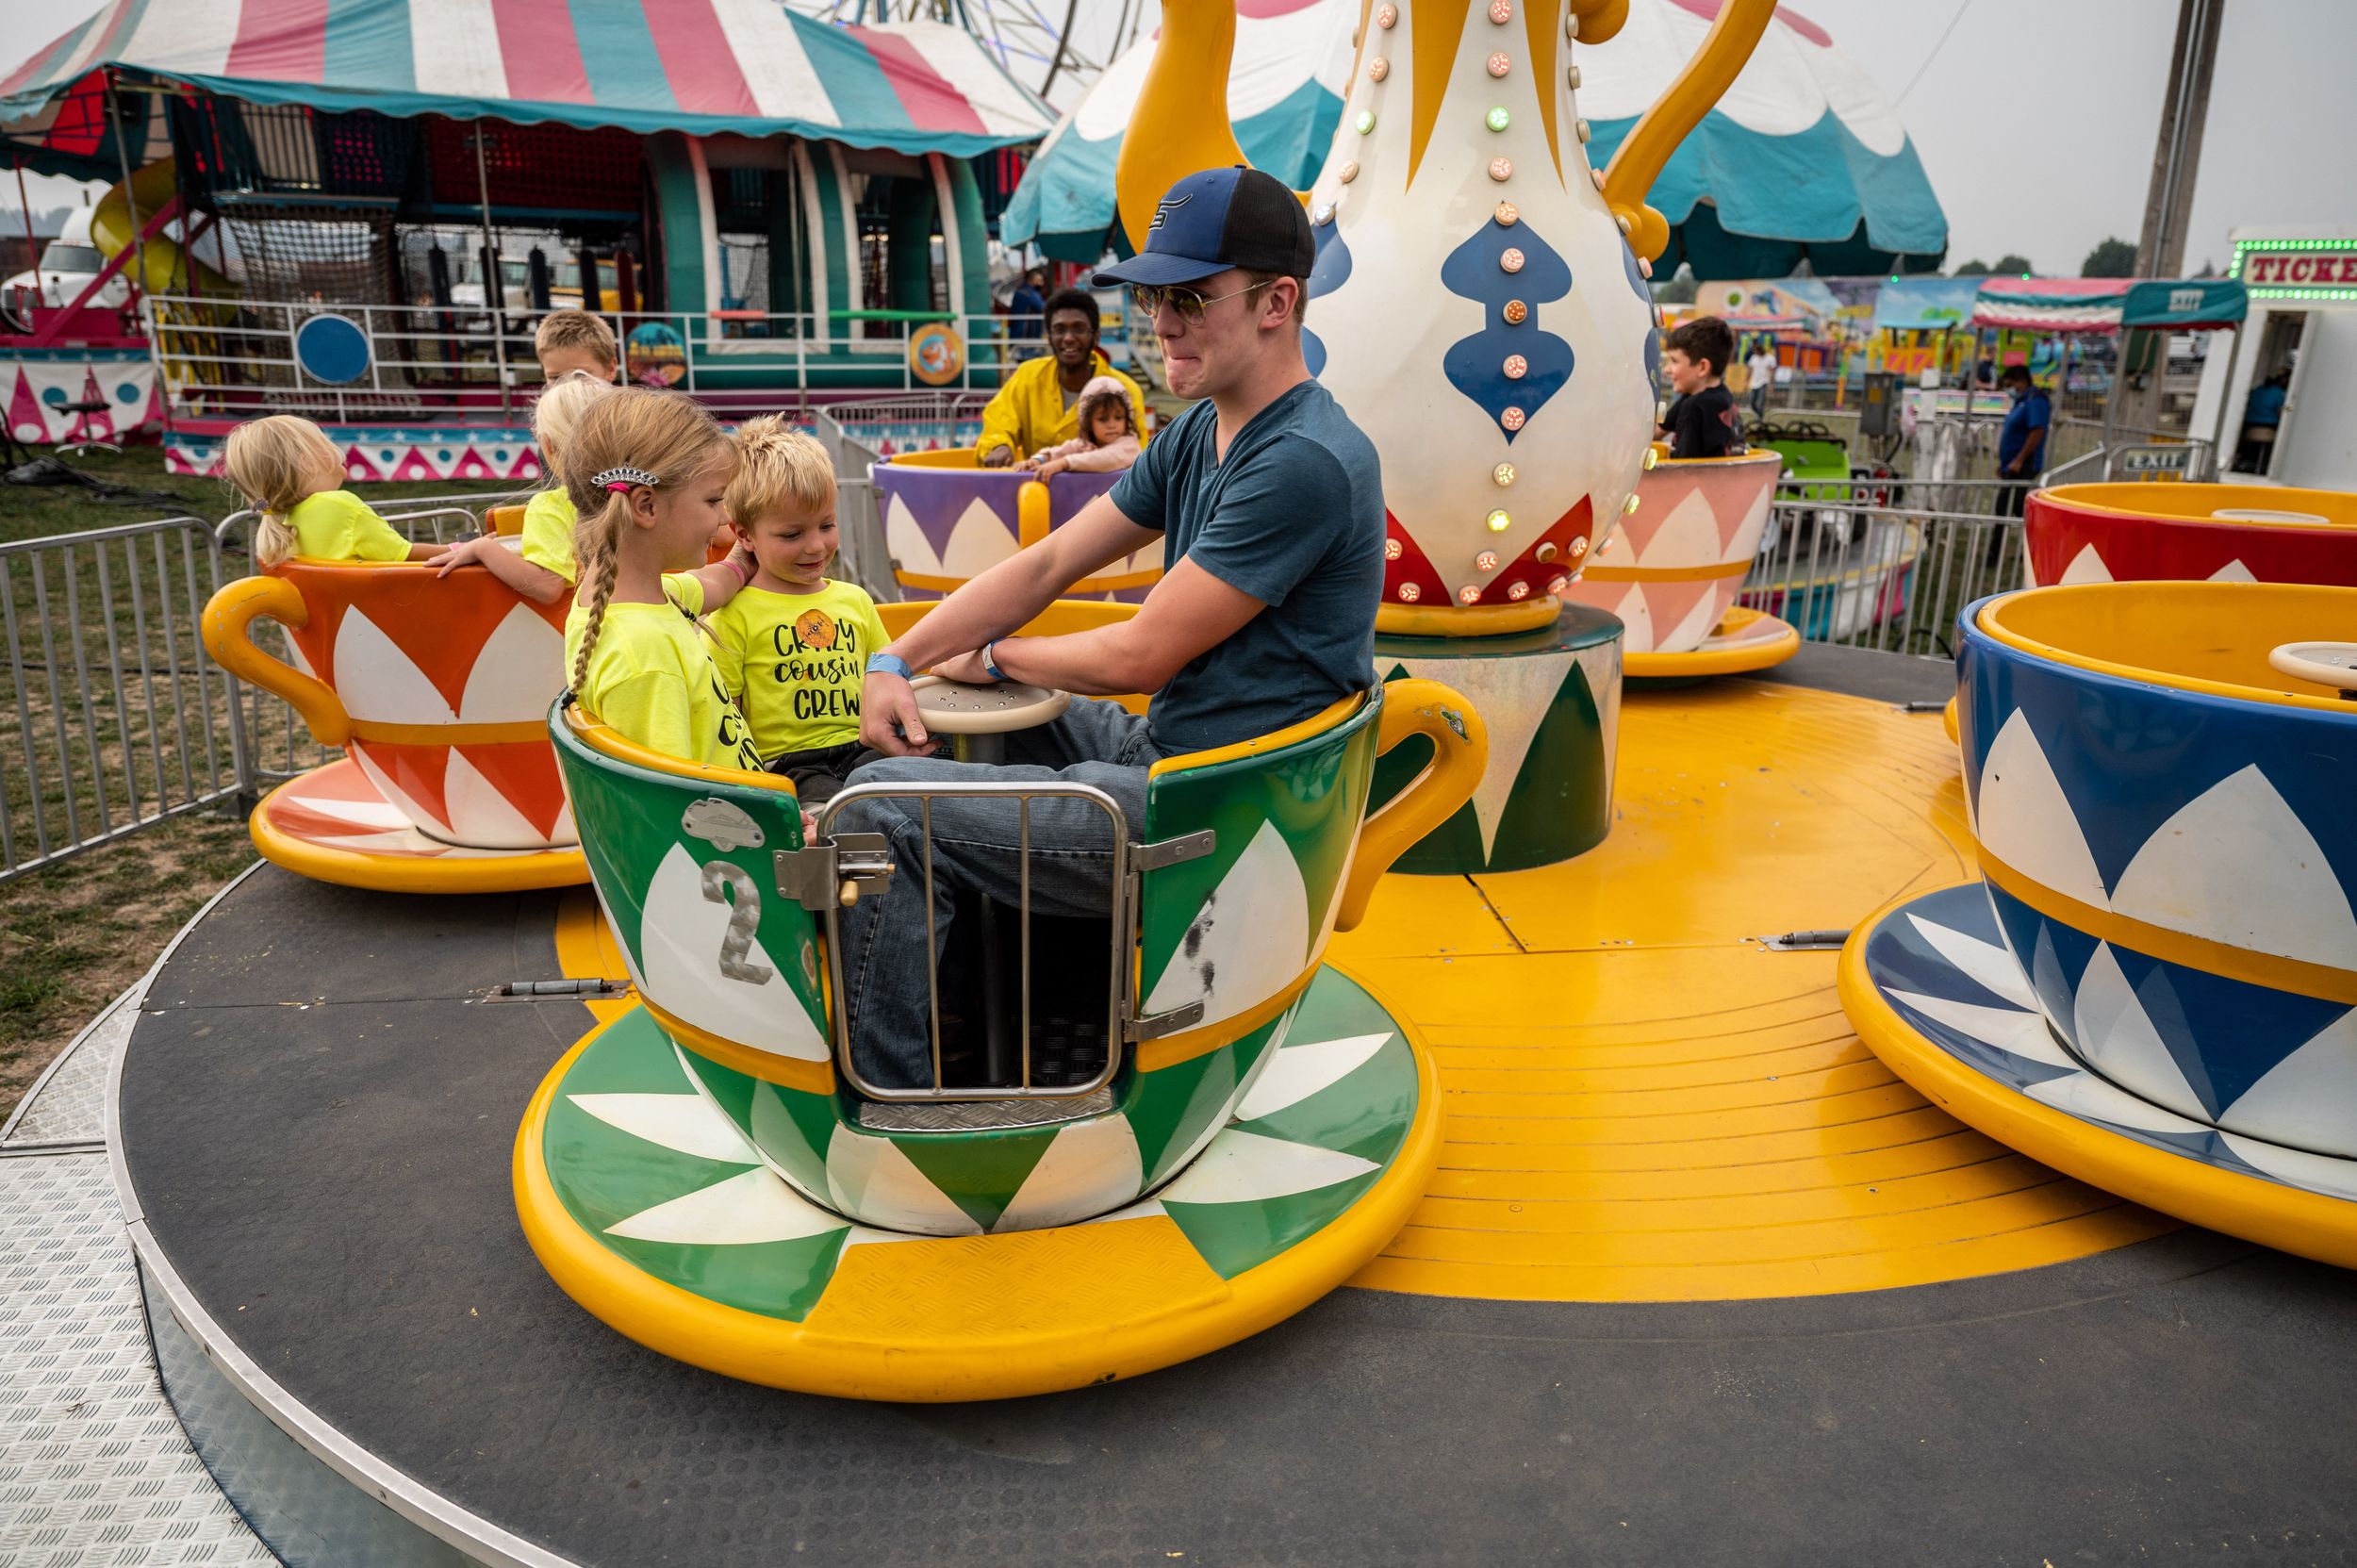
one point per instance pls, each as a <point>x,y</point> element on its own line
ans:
<point>1284,95</point>
<point>1803,158</point>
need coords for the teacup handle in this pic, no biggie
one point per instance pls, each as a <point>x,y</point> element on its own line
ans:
<point>1729,43</point>
<point>228,637</point>
<point>1460,753</point>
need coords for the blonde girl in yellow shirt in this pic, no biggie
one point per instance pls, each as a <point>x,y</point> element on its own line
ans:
<point>647,472</point>
<point>291,472</point>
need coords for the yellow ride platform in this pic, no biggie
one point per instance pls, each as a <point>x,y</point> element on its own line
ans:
<point>1644,1100</point>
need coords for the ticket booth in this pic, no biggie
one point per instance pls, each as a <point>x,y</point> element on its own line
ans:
<point>2301,336</point>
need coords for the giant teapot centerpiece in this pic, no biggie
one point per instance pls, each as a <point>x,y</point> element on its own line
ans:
<point>1479,304</point>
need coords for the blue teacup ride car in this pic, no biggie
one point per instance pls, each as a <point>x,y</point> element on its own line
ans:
<point>2153,985</point>
<point>1199,1128</point>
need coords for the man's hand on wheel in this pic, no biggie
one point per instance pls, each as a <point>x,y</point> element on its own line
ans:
<point>888,716</point>
<point>999,457</point>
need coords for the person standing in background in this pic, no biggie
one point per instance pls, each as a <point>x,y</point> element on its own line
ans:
<point>2022,445</point>
<point>1761,367</point>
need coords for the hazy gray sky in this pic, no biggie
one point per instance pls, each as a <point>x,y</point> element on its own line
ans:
<point>2035,119</point>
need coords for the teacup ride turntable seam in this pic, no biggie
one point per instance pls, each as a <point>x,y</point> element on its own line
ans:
<point>437,688</point>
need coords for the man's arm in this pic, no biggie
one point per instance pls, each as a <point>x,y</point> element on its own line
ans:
<point>1189,613</point>
<point>996,603</point>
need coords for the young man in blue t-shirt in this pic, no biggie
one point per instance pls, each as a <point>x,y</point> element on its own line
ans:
<point>1270,507</point>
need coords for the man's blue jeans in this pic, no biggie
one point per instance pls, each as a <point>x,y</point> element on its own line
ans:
<point>977,849</point>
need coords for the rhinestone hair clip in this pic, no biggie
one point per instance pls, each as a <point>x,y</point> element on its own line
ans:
<point>623,479</point>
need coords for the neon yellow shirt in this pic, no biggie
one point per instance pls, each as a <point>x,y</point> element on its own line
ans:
<point>337,525</point>
<point>796,660</point>
<point>1030,412</point>
<point>548,519</point>
<point>651,677</point>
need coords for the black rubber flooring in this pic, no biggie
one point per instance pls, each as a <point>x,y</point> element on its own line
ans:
<point>318,1112</point>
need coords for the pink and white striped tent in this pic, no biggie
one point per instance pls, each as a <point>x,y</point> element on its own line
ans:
<point>700,66</point>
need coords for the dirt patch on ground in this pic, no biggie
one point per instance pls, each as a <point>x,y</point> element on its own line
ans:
<point>71,936</point>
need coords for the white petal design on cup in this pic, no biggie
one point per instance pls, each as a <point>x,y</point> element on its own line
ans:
<point>517,673</point>
<point>2235,865</point>
<point>2026,821</point>
<point>376,680</point>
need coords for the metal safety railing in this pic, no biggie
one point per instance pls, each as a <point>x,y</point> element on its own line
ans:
<point>1888,566</point>
<point>221,357</point>
<point>113,716</point>
<point>114,706</point>
<point>1009,1033</point>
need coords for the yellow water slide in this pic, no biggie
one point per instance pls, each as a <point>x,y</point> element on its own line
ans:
<point>161,266</point>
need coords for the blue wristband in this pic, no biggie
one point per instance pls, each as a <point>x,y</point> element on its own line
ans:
<point>891,664</point>
<point>990,666</point>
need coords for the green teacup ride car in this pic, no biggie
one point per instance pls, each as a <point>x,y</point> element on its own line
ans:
<point>1202,1129</point>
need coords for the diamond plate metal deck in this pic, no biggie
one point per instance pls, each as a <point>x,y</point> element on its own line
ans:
<point>67,1104</point>
<point>94,1468</point>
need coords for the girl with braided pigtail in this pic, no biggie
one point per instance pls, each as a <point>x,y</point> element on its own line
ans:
<point>647,472</point>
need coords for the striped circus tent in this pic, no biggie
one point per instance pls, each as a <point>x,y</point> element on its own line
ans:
<point>1803,157</point>
<point>697,66</point>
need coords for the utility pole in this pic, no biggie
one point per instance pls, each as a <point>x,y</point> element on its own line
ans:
<point>2168,202</point>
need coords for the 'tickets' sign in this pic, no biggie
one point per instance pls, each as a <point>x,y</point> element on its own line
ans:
<point>2290,268</point>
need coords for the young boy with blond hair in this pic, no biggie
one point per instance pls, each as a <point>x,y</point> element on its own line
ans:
<point>576,341</point>
<point>792,646</point>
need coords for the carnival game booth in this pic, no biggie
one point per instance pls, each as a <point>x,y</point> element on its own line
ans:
<point>764,203</point>
<point>2301,335</point>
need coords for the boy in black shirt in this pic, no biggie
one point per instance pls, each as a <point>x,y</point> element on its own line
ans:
<point>1702,423</point>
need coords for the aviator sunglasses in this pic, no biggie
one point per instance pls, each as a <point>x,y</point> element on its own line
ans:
<point>1189,303</point>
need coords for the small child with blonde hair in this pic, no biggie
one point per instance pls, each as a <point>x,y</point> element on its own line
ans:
<point>647,472</point>
<point>575,342</point>
<point>541,566</point>
<point>1108,442</point>
<point>291,472</point>
<point>792,648</point>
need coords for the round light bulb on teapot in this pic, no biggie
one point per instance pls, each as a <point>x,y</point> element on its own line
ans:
<point>1365,123</point>
<point>1516,367</point>
<point>1498,119</point>
<point>1518,591</point>
<point>1510,260</point>
<point>1322,214</point>
<point>1546,552</point>
<point>1511,417</point>
<point>1501,12</point>
<point>1485,561</point>
<point>1386,17</point>
<point>1348,171</point>
<point>1516,312</point>
<point>1570,77</point>
<point>1469,594</point>
<point>1503,475</point>
<point>1632,504</point>
<point>1378,69</point>
<point>1409,593</point>
<point>1581,127</point>
<point>1508,215</point>
<point>1392,549</point>
<point>1554,584</point>
<point>1499,523</point>
<point>1501,169</point>
<point>1579,546</point>
<point>1500,63</point>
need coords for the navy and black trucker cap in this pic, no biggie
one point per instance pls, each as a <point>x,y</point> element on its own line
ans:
<point>1218,218</point>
